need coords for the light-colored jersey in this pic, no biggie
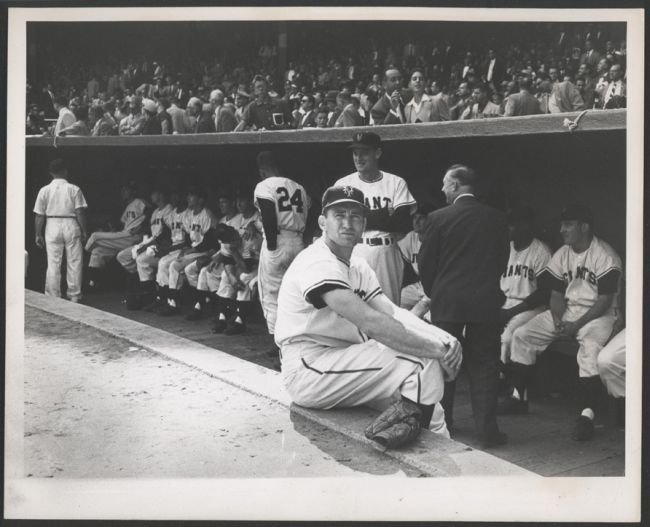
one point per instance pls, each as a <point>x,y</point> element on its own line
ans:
<point>176,225</point>
<point>251,247</point>
<point>390,192</point>
<point>584,274</point>
<point>134,215</point>
<point>519,280</point>
<point>290,199</point>
<point>303,316</point>
<point>409,246</point>
<point>197,225</point>
<point>161,218</point>
<point>59,198</point>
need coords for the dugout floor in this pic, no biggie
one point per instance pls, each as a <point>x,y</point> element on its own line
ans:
<point>539,442</point>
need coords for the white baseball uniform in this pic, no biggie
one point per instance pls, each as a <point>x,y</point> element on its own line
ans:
<point>104,246</point>
<point>326,360</point>
<point>178,236</point>
<point>291,206</point>
<point>410,247</point>
<point>145,262</point>
<point>58,202</point>
<point>379,248</point>
<point>203,279</point>
<point>582,277</point>
<point>196,225</point>
<point>518,282</point>
<point>611,365</point>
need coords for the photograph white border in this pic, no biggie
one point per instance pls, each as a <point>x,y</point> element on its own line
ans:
<point>382,498</point>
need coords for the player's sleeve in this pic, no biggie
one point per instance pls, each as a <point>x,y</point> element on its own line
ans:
<point>406,247</point>
<point>263,190</point>
<point>79,199</point>
<point>40,205</point>
<point>321,278</point>
<point>608,274</point>
<point>403,196</point>
<point>542,260</point>
<point>553,274</point>
<point>369,282</point>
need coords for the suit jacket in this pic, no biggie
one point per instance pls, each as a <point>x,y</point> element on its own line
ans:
<point>464,251</point>
<point>592,59</point>
<point>332,120</point>
<point>307,120</point>
<point>432,109</point>
<point>498,71</point>
<point>381,112</point>
<point>349,117</point>
<point>522,103</point>
<point>205,123</point>
<point>226,121</point>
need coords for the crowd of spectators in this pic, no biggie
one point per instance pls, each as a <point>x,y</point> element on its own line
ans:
<point>415,81</point>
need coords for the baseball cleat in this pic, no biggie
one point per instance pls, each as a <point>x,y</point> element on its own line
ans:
<point>219,326</point>
<point>584,429</point>
<point>512,406</point>
<point>168,310</point>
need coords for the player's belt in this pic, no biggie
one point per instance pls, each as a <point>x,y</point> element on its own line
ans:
<point>378,241</point>
<point>62,217</point>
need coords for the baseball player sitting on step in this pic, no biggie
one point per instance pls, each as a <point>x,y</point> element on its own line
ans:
<point>239,275</point>
<point>585,275</point>
<point>344,343</point>
<point>390,205</point>
<point>523,279</point>
<point>284,206</point>
<point>141,259</point>
<point>104,246</point>
<point>412,296</point>
<point>199,223</point>
<point>201,275</point>
<point>167,254</point>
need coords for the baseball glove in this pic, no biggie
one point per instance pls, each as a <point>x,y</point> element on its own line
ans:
<point>397,425</point>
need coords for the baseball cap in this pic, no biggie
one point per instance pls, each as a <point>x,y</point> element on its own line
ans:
<point>365,140</point>
<point>577,212</point>
<point>342,194</point>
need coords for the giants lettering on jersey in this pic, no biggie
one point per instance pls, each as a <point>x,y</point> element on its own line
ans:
<point>378,202</point>
<point>520,270</point>
<point>582,273</point>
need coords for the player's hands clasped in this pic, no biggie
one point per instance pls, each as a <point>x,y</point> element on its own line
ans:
<point>452,359</point>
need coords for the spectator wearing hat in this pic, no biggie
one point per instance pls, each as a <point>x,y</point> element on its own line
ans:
<point>152,124</point>
<point>224,118</point>
<point>585,276</point>
<point>264,113</point>
<point>104,246</point>
<point>132,124</point>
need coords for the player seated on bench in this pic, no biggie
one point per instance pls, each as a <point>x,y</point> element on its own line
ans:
<point>585,277</point>
<point>343,343</point>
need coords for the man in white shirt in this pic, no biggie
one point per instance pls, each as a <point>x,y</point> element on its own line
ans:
<point>60,210</point>
<point>66,117</point>
<point>616,89</point>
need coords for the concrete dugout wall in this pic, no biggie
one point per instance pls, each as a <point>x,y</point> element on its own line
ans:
<point>533,160</point>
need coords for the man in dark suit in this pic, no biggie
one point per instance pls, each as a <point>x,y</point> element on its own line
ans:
<point>389,109</point>
<point>493,69</point>
<point>306,116</point>
<point>204,118</point>
<point>590,56</point>
<point>464,251</point>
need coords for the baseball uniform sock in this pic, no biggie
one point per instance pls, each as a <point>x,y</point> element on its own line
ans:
<point>197,310</point>
<point>92,274</point>
<point>133,292</point>
<point>172,306</point>
<point>589,390</point>
<point>159,300</point>
<point>220,324</point>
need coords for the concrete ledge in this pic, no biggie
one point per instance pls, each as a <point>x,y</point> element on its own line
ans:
<point>592,121</point>
<point>431,454</point>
